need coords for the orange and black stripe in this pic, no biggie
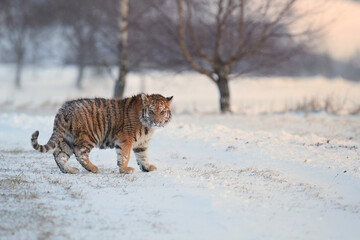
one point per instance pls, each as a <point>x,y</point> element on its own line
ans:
<point>98,121</point>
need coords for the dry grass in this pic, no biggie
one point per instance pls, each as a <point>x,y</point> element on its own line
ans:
<point>55,182</point>
<point>6,104</point>
<point>329,104</point>
<point>15,185</point>
<point>334,105</point>
<point>30,195</point>
<point>14,151</point>
<point>308,105</point>
<point>356,110</point>
<point>12,182</point>
<point>47,106</point>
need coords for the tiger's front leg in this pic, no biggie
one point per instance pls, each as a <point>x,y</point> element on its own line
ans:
<point>123,157</point>
<point>142,158</point>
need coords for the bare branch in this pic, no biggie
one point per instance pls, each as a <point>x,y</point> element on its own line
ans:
<point>183,46</point>
<point>264,36</point>
<point>194,36</point>
<point>167,23</point>
<point>219,30</point>
<point>241,23</point>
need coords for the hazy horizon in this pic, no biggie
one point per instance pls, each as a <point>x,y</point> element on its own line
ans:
<point>341,19</point>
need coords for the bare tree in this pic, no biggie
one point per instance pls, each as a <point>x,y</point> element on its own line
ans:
<point>123,64</point>
<point>228,37</point>
<point>80,23</point>
<point>138,48</point>
<point>143,45</point>
<point>82,50</point>
<point>19,30</point>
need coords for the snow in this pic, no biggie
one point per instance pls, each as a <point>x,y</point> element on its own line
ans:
<point>247,175</point>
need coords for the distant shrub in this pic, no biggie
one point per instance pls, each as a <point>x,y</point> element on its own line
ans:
<point>330,104</point>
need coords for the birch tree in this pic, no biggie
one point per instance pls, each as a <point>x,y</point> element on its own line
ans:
<point>123,64</point>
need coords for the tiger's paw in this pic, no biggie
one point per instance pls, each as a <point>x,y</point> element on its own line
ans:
<point>128,170</point>
<point>152,168</point>
<point>70,170</point>
<point>94,169</point>
<point>147,168</point>
<point>73,170</point>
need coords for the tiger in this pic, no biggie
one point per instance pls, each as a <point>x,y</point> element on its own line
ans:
<point>124,124</point>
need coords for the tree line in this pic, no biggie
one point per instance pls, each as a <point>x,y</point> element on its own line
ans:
<point>220,39</point>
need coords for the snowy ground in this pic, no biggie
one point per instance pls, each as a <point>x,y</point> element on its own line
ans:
<point>239,176</point>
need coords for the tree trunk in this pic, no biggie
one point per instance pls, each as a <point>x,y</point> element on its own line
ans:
<point>122,49</point>
<point>223,86</point>
<point>19,66</point>
<point>80,76</point>
<point>120,83</point>
<point>20,52</point>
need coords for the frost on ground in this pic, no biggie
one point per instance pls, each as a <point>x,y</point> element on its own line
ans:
<point>249,176</point>
<point>219,177</point>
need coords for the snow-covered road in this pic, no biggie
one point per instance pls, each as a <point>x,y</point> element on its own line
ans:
<point>219,177</point>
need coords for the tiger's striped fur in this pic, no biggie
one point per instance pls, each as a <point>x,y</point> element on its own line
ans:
<point>124,124</point>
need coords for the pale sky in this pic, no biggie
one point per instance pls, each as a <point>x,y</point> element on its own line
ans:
<point>342,21</point>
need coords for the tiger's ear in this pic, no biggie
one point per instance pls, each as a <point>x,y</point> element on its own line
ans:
<point>144,99</point>
<point>169,99</point>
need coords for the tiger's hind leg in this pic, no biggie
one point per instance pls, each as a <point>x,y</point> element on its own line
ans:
<point>62,154</point>
<point>82,155</point>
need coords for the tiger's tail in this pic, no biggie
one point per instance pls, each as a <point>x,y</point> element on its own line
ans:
<point>56,137</point>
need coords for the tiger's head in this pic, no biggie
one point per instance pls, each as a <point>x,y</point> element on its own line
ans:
<point>155,110</point>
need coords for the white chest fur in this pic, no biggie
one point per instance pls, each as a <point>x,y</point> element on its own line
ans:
<point>143,139</point>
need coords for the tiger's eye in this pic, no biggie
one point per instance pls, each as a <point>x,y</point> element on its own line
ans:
<point>162,112</point>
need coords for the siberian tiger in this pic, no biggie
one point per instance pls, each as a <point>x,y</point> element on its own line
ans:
<point>126,124</point>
